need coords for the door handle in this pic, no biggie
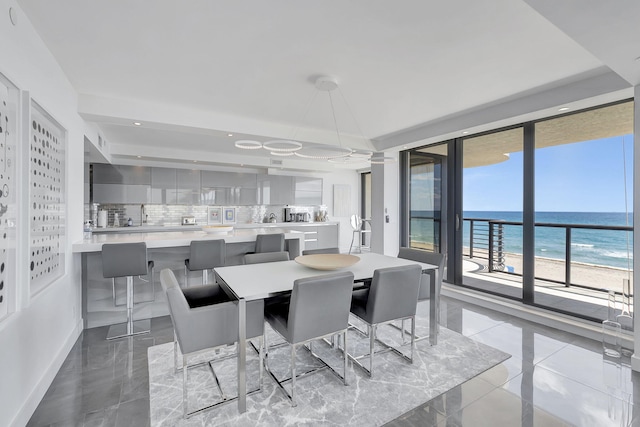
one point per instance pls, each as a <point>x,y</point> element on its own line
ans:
<point>457,222</point>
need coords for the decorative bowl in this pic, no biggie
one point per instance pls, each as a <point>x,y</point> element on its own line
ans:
<point>327,261</point>
<point>217,229</point>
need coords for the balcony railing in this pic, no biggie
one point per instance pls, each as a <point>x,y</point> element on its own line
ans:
<point>487,241</point>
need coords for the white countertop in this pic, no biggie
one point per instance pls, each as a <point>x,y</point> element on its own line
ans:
<point>169,228</point>
<point>178,238</point>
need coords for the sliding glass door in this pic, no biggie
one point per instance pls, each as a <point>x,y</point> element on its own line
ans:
<point>540,212</point>
<point>492,189</point>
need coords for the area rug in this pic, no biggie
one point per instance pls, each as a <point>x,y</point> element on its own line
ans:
<point>395,388</point>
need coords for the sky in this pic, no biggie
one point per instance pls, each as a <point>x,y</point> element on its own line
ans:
<point>578,177</point>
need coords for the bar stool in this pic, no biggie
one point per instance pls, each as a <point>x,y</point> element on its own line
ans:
<point>205,255</point>
<point>127,260</point>
<point>270,243</point>
<point>358,229</point>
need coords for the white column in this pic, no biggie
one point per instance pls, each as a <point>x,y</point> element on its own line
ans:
<point>385,214</point>
<point>635,359</point>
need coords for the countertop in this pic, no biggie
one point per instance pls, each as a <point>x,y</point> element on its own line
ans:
<point>170,239</point>
<point>169,228</point>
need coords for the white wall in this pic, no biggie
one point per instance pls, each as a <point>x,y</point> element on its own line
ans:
<point>35,339</point>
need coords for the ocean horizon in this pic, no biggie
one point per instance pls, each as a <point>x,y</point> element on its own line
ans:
<point>612,248</point>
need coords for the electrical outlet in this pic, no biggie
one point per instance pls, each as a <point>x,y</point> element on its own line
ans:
<point>386,219</point>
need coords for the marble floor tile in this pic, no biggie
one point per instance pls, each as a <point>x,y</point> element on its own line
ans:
<point>553,379</point>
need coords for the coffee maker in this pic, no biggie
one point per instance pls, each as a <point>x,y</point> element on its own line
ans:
<point>296,214</point>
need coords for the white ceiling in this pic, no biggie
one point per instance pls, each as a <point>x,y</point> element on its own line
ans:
<point>194,71</point>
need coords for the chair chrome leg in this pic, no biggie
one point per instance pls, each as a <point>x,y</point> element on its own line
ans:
<point>205,276</point>
<point>175,353</point>
<point>372,339</point>
<point>413,335</point>
<point>186,277</point>
<point>344,355</point>
<point>185,370</point>
<point>293,375</point>
<point>261,354</point>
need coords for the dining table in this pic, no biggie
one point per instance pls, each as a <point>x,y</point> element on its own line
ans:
<point>265,280</point>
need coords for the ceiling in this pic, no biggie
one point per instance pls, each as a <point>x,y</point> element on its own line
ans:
<point>194,72</point>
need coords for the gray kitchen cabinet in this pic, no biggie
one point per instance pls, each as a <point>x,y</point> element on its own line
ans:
<point>276,189</point>
<point>310,235</point>
<point>228,188</point>
<point>164,186</point>
<point>121,174</point>
<point>307,191</point>
<point>121,193</point>
<point>328,236</point>
<point>187,187</point>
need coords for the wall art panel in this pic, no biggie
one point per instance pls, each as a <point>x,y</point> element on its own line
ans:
<point>46,198</point>
<point>8,179</point>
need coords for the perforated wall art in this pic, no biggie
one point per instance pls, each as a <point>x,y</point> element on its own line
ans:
<point>46,198</point>
<point>8,126</point>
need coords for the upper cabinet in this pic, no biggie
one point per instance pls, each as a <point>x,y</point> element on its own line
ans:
<point>169,186</point>
<point>121,184</point>
<point>163,186</point>
<point>228,188</point>
<point>307,191</point>
<point>188,187</point>
<point>276,189</point>
<point>119,174</point>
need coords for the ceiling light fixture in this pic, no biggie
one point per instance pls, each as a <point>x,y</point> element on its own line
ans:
<point>229,134</point>
<point>563,109</point>
<point>246,144</point>
<point>332,153</point>
<point>137,124</point>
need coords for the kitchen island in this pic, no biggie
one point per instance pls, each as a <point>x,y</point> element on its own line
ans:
<point>166,250</point>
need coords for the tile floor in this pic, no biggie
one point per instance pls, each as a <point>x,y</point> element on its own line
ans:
<point>552,379</point>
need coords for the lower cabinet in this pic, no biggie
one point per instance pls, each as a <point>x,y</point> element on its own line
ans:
<point>318,237</point>
<point>328,236</point>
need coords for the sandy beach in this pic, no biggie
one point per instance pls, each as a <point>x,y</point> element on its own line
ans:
<point>596,277</point>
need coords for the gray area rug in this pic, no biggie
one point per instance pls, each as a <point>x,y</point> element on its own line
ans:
<point>323,400</point>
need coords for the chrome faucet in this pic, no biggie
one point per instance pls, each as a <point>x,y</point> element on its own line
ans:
<point>143,216</point>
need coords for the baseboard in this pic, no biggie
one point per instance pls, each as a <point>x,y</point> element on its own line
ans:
<point>28,408</point>
<point>539,315</point>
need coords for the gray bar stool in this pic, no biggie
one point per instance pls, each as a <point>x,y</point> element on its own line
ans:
<point>270,243</point>
<point>127,260</point>
<point>205,255</point>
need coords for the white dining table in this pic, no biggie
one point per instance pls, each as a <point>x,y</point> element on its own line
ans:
<point>259,281</point>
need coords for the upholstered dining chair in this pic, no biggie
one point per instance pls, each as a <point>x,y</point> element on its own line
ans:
<point>393,295</point>
<point>270,242</point>
<point>321,251</point>
<point>428,276</point>
<point>318,308</point>
<point>258,258</point>
<point>205,255</point>
<point>205,318</point>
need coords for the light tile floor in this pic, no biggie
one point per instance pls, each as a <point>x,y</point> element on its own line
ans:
<point>553,378</point>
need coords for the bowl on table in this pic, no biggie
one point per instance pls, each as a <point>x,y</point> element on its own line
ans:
<point>216,229</point>
<point>327,261</point>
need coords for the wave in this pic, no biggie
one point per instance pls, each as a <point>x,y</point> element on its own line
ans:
<point>581,245</point>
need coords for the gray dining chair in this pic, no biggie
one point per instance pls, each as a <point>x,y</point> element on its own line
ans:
<point>429,276</point>
<point>205,318</point>
<point>205,255</point>
<point>321,251</point>
<point>270,242</point>
<point>127,260</point>
<point>318,308</point>
<point>393,295</point>
<point>258,258</point>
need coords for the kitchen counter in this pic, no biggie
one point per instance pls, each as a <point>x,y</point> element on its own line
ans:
<point>171,239</point>
<point>167,250</point>
<point>165,228</point>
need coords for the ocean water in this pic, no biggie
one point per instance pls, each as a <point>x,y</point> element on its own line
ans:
<point>600,247</point>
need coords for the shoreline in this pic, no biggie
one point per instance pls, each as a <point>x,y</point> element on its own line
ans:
<point>592,276</point>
